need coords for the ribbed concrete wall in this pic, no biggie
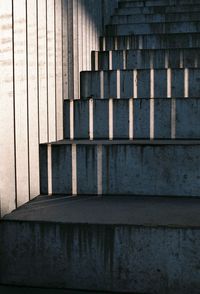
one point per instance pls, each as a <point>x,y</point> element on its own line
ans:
<point>43,47</point>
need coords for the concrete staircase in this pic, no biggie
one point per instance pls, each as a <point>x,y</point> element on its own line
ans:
<point>134,132</point>
<point>139,109</point>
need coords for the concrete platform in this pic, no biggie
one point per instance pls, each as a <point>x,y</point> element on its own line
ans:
<point>25,290</point>
<point>129,245</point>
<point>112,210</point>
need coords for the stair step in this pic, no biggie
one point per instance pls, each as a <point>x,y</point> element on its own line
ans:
<point>153,28</point>
<point>132,119</point>
<point>158,9</point>
<point>145,59</point>
<point>156,41</point>
<point>155,18</point>
<point>85,243</point>
<point>121,168</point>
<point>149,3</point>
<point>145,83</point>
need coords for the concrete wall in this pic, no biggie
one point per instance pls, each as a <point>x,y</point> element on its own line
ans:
<point>117,258</point>
<point>42,50</point>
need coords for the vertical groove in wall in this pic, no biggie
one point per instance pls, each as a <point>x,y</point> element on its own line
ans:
<point>55,66</point>
<point>7,131</point>
<point>27,86</point>
<point>13,108</point>
<point>51,69</point>
<point>47,71</point>
<point>21,101</point>
<point>58,69</point>
<point>42,71</point>
<point>65,48</point>
<point>32,90</point>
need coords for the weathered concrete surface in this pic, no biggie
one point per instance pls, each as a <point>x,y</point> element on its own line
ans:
<point>158,9</point>
<point>148,246</point>
<point>121,84</point>
<point>25,290</point>
<point>154,3</point>
<point>136,167</point>
<point>157,41</point>
<point>155,18</point>
<point>153,28</point>
<point>184,125</point>
<point>146,59</point>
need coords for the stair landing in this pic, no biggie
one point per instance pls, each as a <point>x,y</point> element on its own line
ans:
<point>113,210</point>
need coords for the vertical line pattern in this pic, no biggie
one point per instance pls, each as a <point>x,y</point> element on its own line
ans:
<point>110,60</point>
<point>186,82</point>
<point>74,169</point>
<point>135,87</point>
<point>173,118</point>
<point>110,119</point>
<point>99,170</point>
<point>131,119</point>
<point>152,104</point>
<point>91,118</point>
<point>71,119</point>
<point>169,83</point>
<point>27,89</point>
<point>14,114</point>
<point>118,84</point>
<point>124,59</point>
<point>49,160</point>
<point>102,84</point>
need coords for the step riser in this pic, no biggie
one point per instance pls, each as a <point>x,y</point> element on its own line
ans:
<point>156,3</point>
<point>141,84</point>
<point>132,119</point>
<point>123,169</point>
<point>145,59</point>
<point>157,9</point>
<point>90,257</point>
<point>154,18</point>
<point>158,28</point>
<point>150,42</point>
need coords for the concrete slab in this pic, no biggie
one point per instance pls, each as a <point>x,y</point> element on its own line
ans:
<point>118,210</point>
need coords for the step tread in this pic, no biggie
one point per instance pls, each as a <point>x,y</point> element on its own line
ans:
<point>115,210</point>
<point>125,142</point>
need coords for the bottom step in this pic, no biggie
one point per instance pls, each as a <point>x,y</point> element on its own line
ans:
<point>122,244</point>
<point>157,168</point>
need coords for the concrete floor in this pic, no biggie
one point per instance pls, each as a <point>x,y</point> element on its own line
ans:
<point>23,290</point>
<point>128,210</point>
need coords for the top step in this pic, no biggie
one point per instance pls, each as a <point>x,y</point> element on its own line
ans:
<point>150,3</point>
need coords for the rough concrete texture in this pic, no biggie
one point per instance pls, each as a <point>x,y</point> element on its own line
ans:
<point>124,253</point>
<point>146,59</point>
<point>146,87</point>
<point>185,122</point>
<point>124,167</point>
<point>121,83</point>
